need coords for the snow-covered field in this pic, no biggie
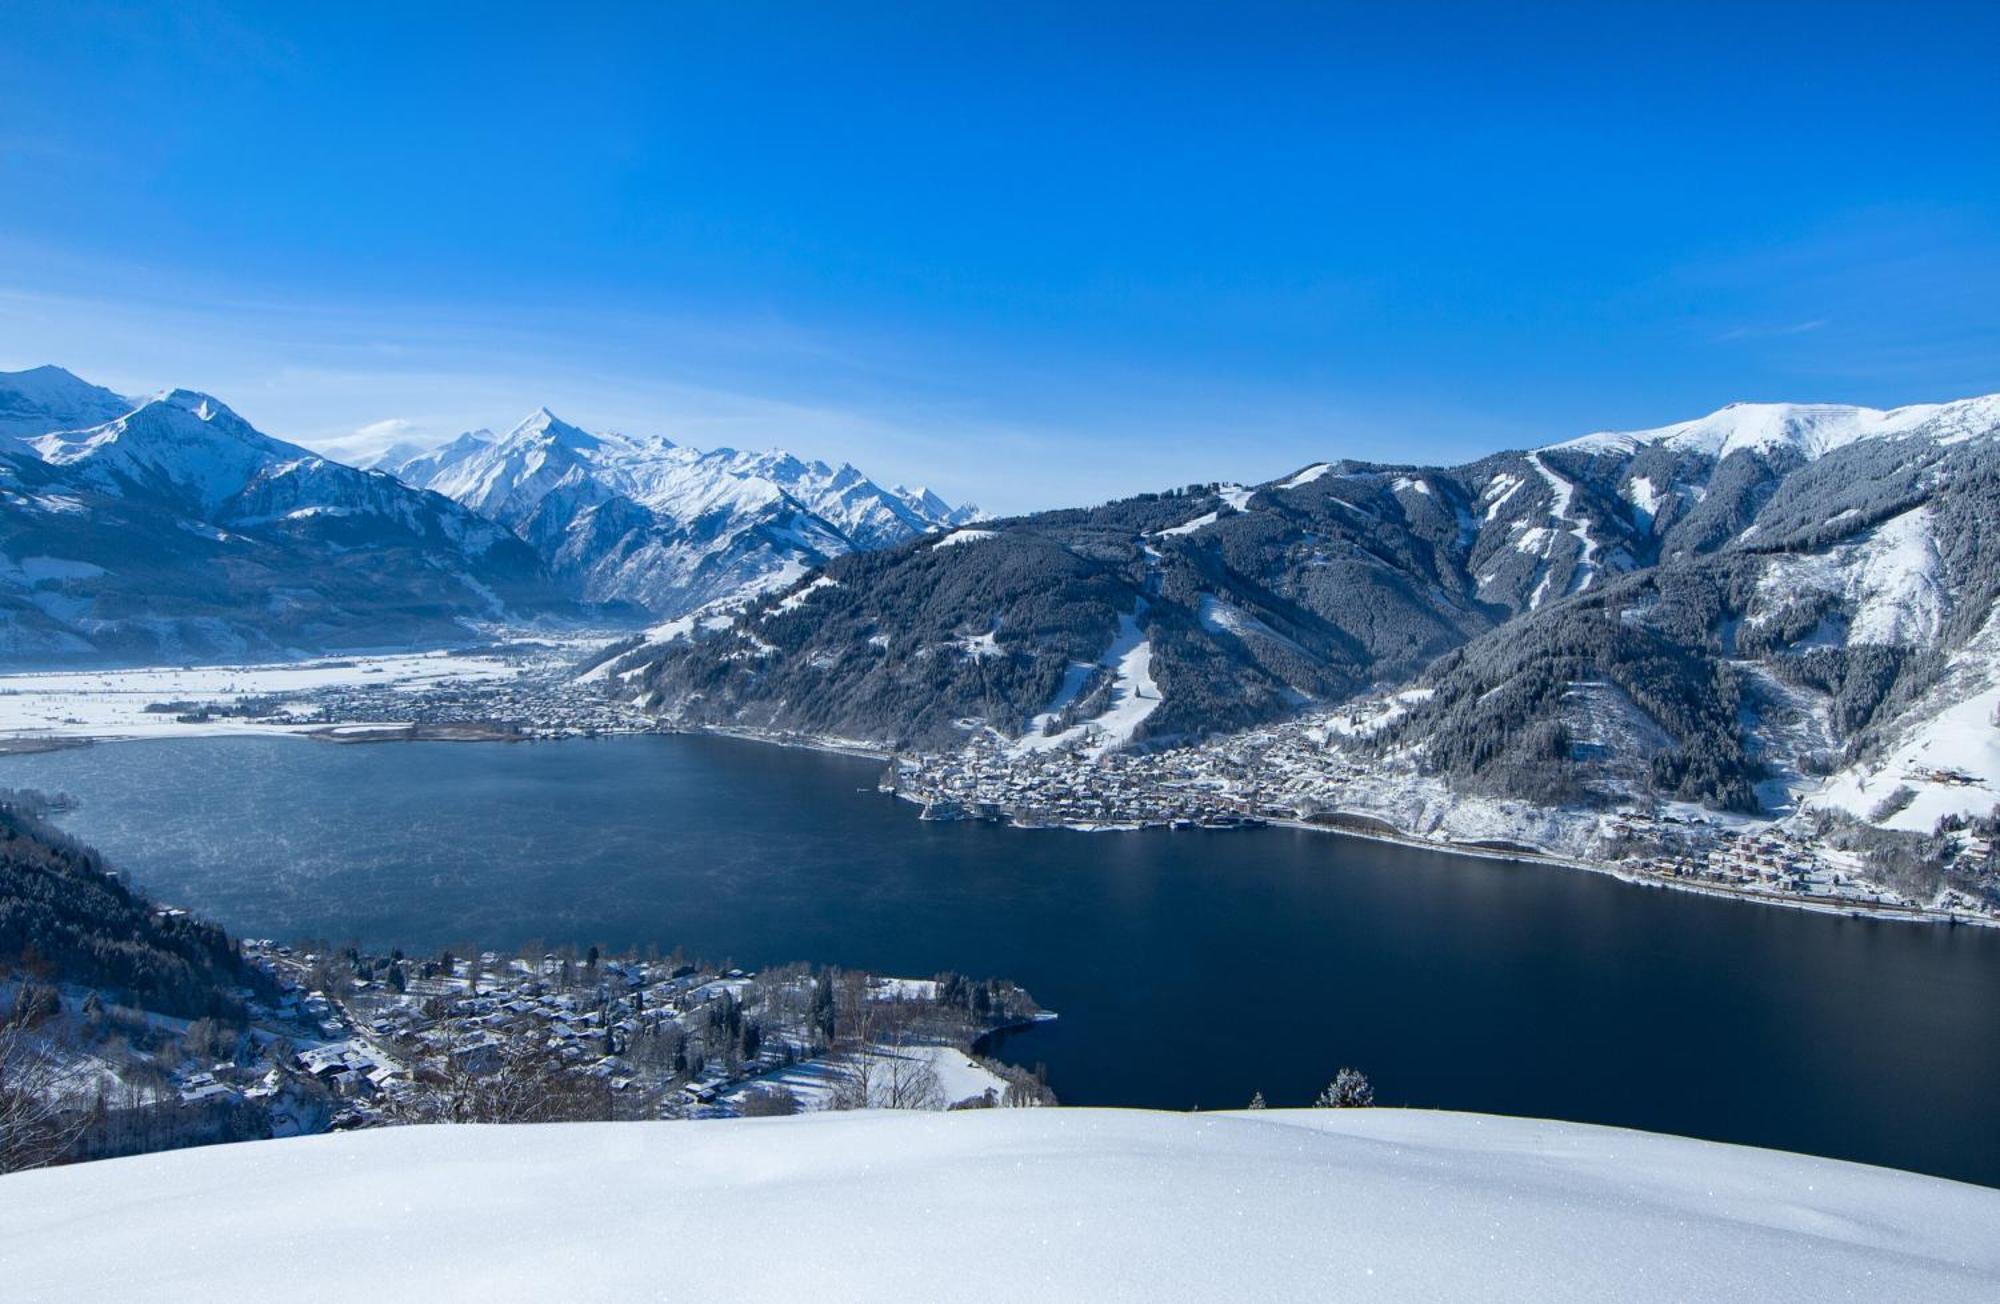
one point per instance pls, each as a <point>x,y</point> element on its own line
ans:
<point>813,1082</point>
<point>959,538</point>
<point>112,703</point>
<point>1034,1204</point>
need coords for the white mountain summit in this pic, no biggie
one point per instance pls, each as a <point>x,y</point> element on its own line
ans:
<point>42,399</point>
<point>1809,429</point>
<point>175,530</point>
<point>667,527</point>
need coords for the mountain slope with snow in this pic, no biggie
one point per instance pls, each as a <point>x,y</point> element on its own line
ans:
<point>42,399</point>
<point>1054,1204</point>
<point>177,531</point>
<point>1809,429</point>
<point>1723,611</point>
<point>666,527</point>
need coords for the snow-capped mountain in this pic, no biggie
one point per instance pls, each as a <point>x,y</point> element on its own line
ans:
<point>42,399</point>
<point>176,530</point>
<point>1722,611</point>
<point>170,528</point>
<point>670,528</point>
<point>1809,429</point>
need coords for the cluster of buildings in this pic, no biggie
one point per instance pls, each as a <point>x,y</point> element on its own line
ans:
<point>532,706</point>
<point>666,1038</point>
<point>990,780</point>
<point>1303,771</point>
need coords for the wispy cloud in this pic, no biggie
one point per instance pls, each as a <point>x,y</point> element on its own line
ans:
<point>1885,305</point>
<point>1776,332</point>
<point>367,443</point>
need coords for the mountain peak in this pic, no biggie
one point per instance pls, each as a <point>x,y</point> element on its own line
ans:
<point>205,406</point>
<point>48,398</point>
<point>1811,429</point>
<point>694,525</point>
<point>543,424</point>
<point>47,372</point>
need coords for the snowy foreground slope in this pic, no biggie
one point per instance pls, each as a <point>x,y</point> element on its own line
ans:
<point>1006,1205</point>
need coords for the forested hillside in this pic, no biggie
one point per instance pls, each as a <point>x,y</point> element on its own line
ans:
<point>65,917</point>
<point>1725,611</point>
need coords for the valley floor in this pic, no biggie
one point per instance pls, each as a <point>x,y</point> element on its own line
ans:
<point>1055,1204</point>
<point>523,685</point>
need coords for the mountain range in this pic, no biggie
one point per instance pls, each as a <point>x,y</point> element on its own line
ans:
<point>175,531</point>
<point>1767,608</point>
<point>668,528</point>
<point>168,529</point>
<point>1770,601</point>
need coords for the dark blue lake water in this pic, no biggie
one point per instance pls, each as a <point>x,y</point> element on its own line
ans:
<point>1190,969</point>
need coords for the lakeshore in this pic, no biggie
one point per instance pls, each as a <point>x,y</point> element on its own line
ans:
<point>1297,773</point>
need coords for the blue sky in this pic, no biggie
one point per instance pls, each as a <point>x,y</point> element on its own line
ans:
<point>1029,254</point>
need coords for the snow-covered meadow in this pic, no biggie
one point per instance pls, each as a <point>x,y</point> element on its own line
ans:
<point>1053,1204</point>
<point>112,703</point>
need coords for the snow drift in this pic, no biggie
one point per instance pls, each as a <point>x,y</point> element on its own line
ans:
<point>1003,1205</point>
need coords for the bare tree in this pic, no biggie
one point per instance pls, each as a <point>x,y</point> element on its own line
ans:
<point>43,1111</point>
<point>854,1083</point>
<point>892,1069</point>
<point>470,1081</point>
<point>910,1081</point>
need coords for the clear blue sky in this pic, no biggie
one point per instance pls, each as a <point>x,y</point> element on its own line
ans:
<point>1030,254</point>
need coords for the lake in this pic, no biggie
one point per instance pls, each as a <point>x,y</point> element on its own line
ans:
<point>1190,969</point>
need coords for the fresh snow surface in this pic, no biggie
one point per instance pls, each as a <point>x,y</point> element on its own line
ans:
<point>1307,476</point>
<point>1502,488</point>
<point>1220,617</point>
<point>1075,676</point>
<point>1813,429</point>
<point>1134,696</point>
<point>793,601</point>
<point>1562,494</point>
<point>723,612</point>
<point>1890,578</point>
<point>959,1077</point>
<point>1235,498</point>
<point>1366,717</point>
<point>1946,748</point>
<point>1643,497</point>
<point>1004,1205</point>
<point>112,703</point>
<point>958,537</point>
<point>1201,522</point>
